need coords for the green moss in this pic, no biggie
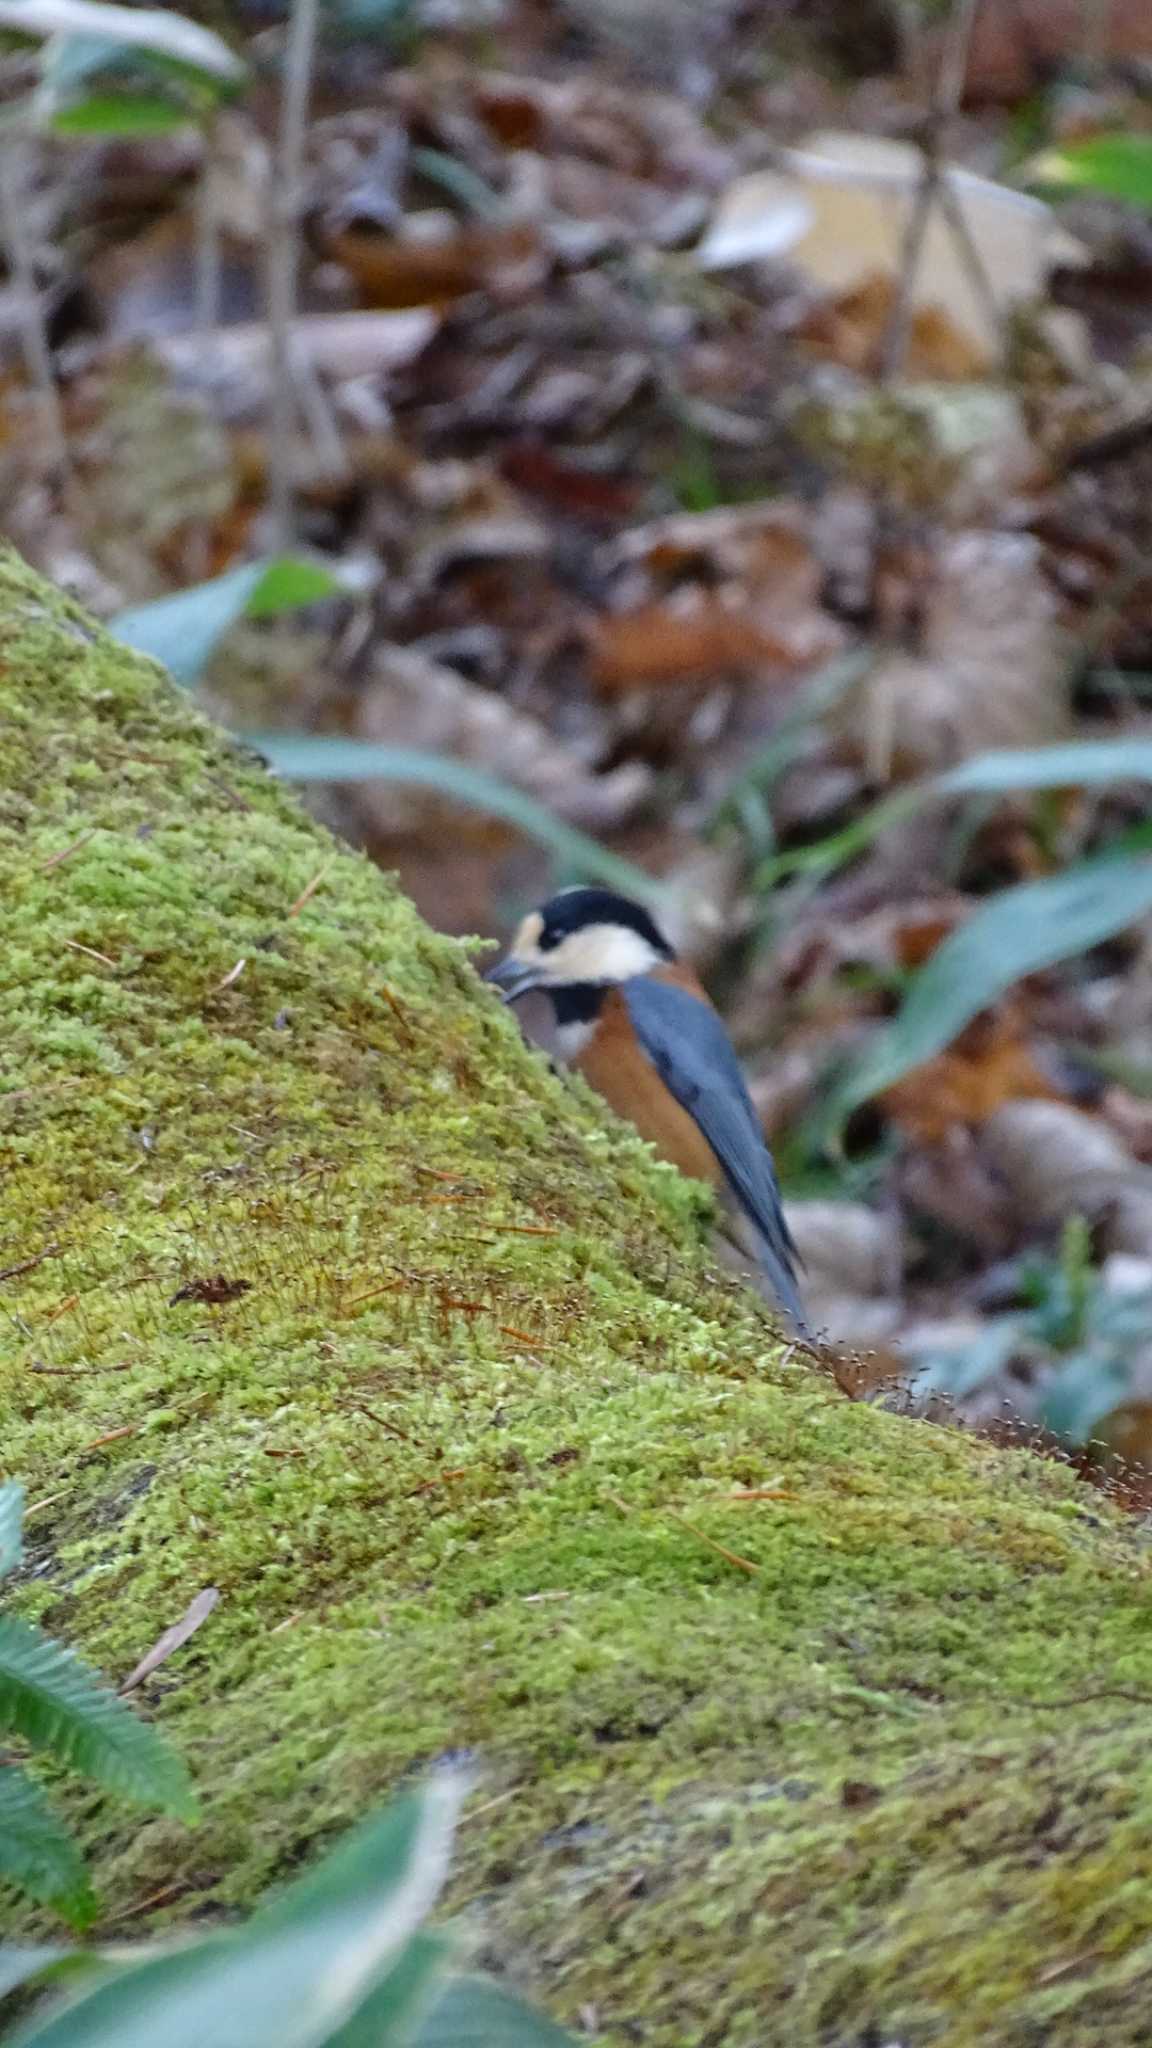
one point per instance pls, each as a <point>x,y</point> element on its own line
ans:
<point>323,1291</point>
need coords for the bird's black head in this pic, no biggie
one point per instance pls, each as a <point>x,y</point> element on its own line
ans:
<point>594,910</point>
<point>585,938</point>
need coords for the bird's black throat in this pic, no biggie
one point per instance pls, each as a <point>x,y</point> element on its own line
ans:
<point>578,1002</point>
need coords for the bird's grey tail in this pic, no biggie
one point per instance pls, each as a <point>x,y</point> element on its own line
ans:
<point>764,1264</point>
<point>783,1285</point>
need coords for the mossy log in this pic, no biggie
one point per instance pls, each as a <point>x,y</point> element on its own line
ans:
<point>798,1722</point>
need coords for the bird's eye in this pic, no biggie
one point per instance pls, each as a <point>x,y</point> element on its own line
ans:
<point>549,938</point>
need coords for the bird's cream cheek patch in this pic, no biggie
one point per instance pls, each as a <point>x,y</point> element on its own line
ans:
<point>527,940</point>
<point>603,952</point>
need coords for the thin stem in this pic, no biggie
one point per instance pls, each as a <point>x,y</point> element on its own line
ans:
<point>970,256</point>
<point>33,330</point>
<point>932,186</point>
<point>283,263</point>
<point>894,347</point>
<point>954,61</point>
<point>207,238</point>
<point>206,306</point>
<point>946,99</point>
<point>318,416</point>
<point>1095,34</point>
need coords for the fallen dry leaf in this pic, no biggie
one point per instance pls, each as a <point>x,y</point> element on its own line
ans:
<point>853,327</point>
<point>145,288</point>
<point>155,466</point>
<point>991,670</point>
<point>214,1289</point>
<point>1059,1162</point>
<point>846,1247</point>
<point>954,1186</point>
<point>173,1638</point>
<point>581,492</point>
<point>1131,1118</point>
<point>336,345</point>
<point>640,133</point>
<point>703,641</point>
<point>991,1063</point>
<point>897,935</point>
<point>413,701</point>
<point>839,209</point>
<point>700,598</point>
<point>434,268</point>
<point>764,544</point>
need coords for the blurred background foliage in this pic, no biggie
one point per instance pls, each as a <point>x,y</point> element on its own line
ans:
<point>707,451</point>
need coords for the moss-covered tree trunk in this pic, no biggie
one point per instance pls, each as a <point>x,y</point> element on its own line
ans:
<point>798,1723</point>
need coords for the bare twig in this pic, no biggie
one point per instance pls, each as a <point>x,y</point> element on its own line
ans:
<point>208,300</point>
<point>33,330</point>
<point>75,946</point>
<point>318,415</point>
<point>909,27</point>
<point>894,346</point>
<point>307,893</point>
<point>207,237</point>
<point>954,59</point>
<point>56,860</point>
<point>932,189</point>
<point>970,256</point>
<point>743,1564</point>
<point>1095,34</point>
<point>1103,1692</point>
<point>283,261</point>
<point>28,1265</point>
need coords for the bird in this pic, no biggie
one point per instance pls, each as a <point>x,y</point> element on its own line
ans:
<point>636,1023</point>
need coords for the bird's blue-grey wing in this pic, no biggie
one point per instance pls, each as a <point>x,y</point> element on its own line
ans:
<point>691,1051</point>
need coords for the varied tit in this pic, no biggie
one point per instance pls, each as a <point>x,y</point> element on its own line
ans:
<point>639,1027</point>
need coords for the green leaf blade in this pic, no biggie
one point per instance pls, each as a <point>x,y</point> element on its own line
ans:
<point>398,1854</point>
<point>305,757</point>
<point>287,583</point>
<point>476,2012</point>
<point>303,1967</point>
<point>1080,764</point>
<point>23,1965</point>
<point>120,114</point>
<point>11,1526</point>
<point>183,631</point>
<point>1015,934</point>
<point>1081,1394</point>
<point>155,29</point>
<point>1116,166</point>
<point>56,1704</point>
<point>392,2014</point>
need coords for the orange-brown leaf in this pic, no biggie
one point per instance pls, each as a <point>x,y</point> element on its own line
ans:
<point>657,646</point>
<point>966,1084</point>
<point>391,271</point>
<point>852,329</point>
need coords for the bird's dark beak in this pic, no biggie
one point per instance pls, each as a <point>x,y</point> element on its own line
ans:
<point>513,979</point>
